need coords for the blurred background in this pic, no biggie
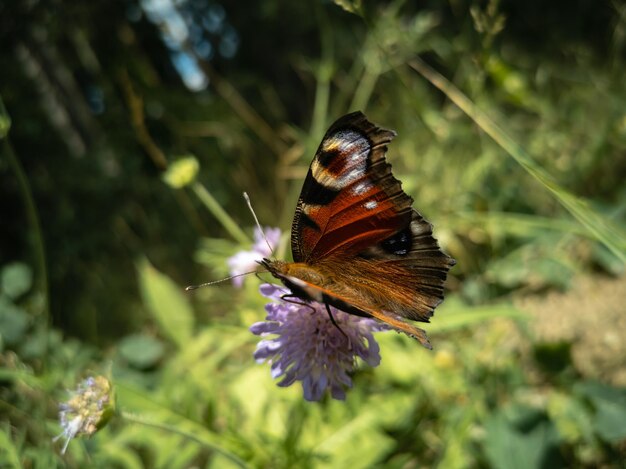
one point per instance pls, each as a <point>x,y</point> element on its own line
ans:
<point>129,130</point>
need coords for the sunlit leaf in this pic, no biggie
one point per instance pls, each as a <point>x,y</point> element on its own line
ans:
<point>158,417</point>
<point>571,417</point>
<point>458,317</point>
<point>167,303</point>
<point>123,456</point>
<point>363,431</point>
<point>9,454</point>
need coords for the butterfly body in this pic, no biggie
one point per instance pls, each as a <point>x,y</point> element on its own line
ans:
<point>357,243</point>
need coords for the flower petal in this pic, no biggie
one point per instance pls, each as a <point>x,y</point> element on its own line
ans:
<point>311,349</point>
<point>272,291</point>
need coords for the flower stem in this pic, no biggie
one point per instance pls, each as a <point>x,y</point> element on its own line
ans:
<point>198,434</point>
<point>218,212</point>
<point>32,215</point>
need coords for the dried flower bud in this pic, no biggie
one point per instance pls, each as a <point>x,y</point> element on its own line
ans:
<point>89,409</point>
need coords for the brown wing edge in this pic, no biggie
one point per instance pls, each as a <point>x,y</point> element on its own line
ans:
<point>424,262</point>
<point>308,291</point>
<point>378,166</point>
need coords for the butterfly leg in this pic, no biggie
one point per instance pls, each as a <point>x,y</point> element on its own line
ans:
<point>299,303</point>
<point>332,319</point>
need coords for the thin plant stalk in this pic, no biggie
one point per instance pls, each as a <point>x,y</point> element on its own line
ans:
<point>32,216</point>
<point>218,212</point>
<point>602,228</point>
<point>198,434</point>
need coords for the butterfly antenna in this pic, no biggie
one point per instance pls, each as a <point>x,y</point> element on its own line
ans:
<point>256,220</point>
<point>195,287</point>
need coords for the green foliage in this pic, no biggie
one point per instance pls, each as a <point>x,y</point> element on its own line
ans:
<point>509,446</point>
<point>8,450</point>
<point>166,303</point>
<point>141,351</point>
<point>511,139</point>
<point>16,279</point>
<point>609,410</point>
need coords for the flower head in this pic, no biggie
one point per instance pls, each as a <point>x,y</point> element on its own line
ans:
<point>245,261</point>
<point>309,348</point>
<point>88,410</point>
<point>182,172</point>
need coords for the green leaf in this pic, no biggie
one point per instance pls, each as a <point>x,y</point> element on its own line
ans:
<point>13,322</point>
<point>16,279</point>
<point>218,461</point>
<point>167,303</point>
<point>363,432</point>
<point>8,452</point>
<point>351,6</point>
<point>213,253</point>
<point>607,260</point>
<point>508,447</point>
<point>141,351</point>
<point>610,421</point>
<point>118,455</point>
<point>610,405</point>
<point>151,414</point>
<point>571,416</point>
<point>537,264</point>
<point>459,316</point>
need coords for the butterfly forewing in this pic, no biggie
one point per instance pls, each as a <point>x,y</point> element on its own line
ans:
<point>349,199</point>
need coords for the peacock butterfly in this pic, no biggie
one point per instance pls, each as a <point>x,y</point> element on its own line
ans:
<point>356,241</point>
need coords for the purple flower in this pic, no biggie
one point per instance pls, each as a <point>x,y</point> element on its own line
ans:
<point>309,348</point>
<point>245,261</point>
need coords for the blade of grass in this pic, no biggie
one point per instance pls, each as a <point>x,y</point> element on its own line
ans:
<point>193,432</point>
<point>520,224</point>
<point>466,316</point>
<point>167,420</point>
<point>323,75</point>
<point>218,212</point>
<point>603,229</point>
<point>8,449</point>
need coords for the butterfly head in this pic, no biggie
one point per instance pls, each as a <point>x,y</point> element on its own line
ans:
<point>277,268</point>
<point>271,265</point>
<point>290,272</point>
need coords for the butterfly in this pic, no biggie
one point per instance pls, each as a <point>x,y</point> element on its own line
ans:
<point>357,243</point>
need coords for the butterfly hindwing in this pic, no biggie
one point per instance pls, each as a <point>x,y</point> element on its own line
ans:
<point>309,291</point>
<point>415,263</point>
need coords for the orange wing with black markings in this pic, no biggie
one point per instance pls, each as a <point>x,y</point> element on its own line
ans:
<point>356,241</point>
<point>349,199</point>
